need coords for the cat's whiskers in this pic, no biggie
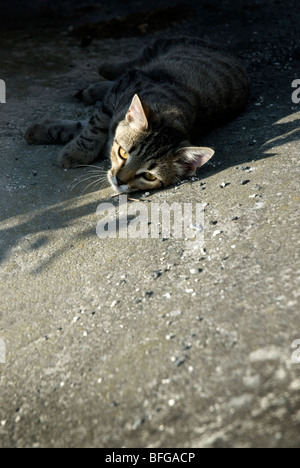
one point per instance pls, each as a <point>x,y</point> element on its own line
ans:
<point>100,178</point>
<point>93,184</point>
<point>77,182</point>
<point>92,166</point>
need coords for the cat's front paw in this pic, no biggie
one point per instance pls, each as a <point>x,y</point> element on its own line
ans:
<point>72,156</point>
<point>67,160</point>
<point>86,96</point>
<point>37,134</point>
<point>108,70</point>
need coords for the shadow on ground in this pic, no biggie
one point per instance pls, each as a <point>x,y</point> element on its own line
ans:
<point>237,151</point>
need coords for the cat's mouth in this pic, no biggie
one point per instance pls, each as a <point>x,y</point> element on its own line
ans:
<point>114,183</point>
<point>121,188</point>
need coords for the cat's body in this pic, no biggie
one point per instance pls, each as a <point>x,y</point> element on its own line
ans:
<point>151,109</point>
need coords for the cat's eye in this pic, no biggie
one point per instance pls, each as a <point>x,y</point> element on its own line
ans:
<point>150,177</point>
<point>123,154</point>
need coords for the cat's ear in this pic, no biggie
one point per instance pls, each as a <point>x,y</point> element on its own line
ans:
<point>138,114</point>
<point>194,157</point>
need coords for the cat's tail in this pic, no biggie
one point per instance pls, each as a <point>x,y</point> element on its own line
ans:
<point>54,132</point>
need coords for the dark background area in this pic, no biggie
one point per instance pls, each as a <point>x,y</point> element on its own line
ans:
<point>252,25</point>
<point>262,32</point>
<point>15,12</point>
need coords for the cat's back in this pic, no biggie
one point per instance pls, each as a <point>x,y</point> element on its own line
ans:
<point>193,57</point>
<point>214,79</point>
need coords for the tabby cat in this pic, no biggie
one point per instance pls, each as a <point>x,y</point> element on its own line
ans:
<point>151,108</point>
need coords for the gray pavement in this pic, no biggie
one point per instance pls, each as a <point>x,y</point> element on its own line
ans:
<point>145,342</point>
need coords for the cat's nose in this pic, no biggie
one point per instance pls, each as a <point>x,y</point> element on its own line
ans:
<point>119,181</point>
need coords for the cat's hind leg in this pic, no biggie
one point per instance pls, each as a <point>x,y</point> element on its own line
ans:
<point>95,92</point>
<point>54,132</point>
<point>113,70</point>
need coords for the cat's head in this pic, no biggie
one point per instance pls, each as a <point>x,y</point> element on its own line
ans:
<point>147,155</point>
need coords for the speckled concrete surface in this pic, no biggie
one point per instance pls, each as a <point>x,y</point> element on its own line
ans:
<point>141,342</point>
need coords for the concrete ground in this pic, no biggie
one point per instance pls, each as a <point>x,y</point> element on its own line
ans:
<point>143,342</point>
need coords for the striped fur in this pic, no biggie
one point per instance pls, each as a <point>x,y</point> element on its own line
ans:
<point>151,108</point>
